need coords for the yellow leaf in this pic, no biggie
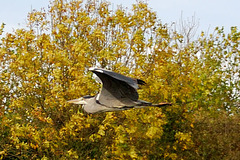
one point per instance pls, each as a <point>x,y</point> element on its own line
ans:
<point>152,131</point>
<point>192,125</point>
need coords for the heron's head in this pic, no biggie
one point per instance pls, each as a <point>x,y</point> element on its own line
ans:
<point>82,100</point>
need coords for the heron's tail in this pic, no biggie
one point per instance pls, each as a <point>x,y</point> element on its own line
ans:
<point>145,104</point>
<point>161,104</point>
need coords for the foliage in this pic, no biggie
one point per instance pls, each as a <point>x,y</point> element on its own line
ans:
<point>46,64</point>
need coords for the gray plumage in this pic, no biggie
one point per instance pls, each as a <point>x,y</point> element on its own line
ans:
<point>118,92</point>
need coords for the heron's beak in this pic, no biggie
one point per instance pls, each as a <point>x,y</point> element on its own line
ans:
<point>77,101</point>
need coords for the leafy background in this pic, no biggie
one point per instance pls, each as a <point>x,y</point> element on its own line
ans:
<point>46,63</point>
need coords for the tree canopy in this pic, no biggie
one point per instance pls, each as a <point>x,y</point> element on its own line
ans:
<point>46,63</point>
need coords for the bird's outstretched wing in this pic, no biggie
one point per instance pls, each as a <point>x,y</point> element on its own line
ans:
<point>130,81</point>
<point>117,90</point>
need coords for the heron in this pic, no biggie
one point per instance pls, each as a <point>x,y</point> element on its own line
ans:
<point>118,92</point>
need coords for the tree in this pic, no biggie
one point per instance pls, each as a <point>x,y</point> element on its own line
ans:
<point>46,64</point>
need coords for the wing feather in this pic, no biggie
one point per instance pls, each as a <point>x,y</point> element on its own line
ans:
<point>130,81</point>
<point>117,91</point>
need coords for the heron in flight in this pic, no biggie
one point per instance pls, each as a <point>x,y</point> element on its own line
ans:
<point>118,92</point>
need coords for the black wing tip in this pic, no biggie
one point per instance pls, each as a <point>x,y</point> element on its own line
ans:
<point>141,82</point>
<point>104,71</point>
